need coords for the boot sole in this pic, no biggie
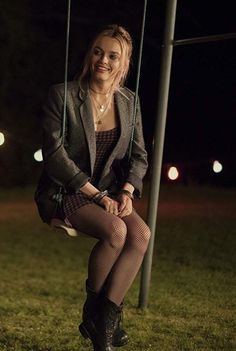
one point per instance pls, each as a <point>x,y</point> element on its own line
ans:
<point>84,332</point>
<point>120,344</point>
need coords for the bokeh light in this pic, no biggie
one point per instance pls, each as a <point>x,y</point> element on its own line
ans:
<point>38,156</point>
<point>2,138</point>
<point>217,167</point>
<point>173,173</point>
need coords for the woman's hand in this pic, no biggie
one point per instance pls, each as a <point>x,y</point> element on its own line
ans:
<point>125,205</point>
<point>110,205</point>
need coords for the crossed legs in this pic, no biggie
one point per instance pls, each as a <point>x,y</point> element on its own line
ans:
<point>118,254</point>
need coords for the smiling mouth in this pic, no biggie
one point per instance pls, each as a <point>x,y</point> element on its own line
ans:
<point>101,69</point>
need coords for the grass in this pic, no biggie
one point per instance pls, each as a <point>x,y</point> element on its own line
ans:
<point>192,304</point>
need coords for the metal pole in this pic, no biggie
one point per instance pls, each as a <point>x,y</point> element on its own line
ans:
<point>206,39</point>
<point>159,135</point>
<point>66,68</point>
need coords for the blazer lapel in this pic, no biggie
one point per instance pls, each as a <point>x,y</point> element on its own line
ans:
<point>83,110</point>
<point>87,119</point>
<point>123,116</point>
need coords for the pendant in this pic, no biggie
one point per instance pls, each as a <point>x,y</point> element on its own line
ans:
<point>101,108</point>
<point>98,122</point>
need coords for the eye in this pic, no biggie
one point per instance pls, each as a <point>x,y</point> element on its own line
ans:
<point>114,57</point>
<point>97,52</point>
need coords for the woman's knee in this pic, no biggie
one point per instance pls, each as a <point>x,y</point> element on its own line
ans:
<point>140,239</point>
<point>117,233</point>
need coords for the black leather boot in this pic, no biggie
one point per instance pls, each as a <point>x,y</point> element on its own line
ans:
<point>120,337</point>
<point>101,328</point>
<point>90,310</point>
<point>90,305</point>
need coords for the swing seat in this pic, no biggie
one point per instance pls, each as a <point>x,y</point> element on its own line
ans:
<point>60,224</point>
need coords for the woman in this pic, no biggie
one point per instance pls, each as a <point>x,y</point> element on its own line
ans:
<point>97,199</point>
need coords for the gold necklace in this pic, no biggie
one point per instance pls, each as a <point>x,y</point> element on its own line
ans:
<point>100,109</point>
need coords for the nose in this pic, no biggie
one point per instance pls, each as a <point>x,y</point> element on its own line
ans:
<point>104,58</point>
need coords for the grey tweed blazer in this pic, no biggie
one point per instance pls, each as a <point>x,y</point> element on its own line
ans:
<point>71,165</point>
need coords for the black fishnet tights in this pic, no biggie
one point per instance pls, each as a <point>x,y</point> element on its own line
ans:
<point>118,254</point>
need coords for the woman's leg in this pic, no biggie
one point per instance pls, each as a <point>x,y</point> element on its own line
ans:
<point>129,261</point>
<point>111,232</point>
<point>105,262</point>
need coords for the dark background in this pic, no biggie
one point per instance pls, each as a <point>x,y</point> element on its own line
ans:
<point>200,122</point>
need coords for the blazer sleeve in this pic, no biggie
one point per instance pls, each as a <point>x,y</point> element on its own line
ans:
<point>138,163</point>
<point>59,167</point>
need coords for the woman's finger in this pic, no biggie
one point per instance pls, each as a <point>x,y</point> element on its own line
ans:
<point>110,205</point>
<point>126,211</point>
<point>113,207</point>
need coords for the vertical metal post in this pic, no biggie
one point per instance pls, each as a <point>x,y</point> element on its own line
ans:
<point>159,136</point>
<point>66,68</point>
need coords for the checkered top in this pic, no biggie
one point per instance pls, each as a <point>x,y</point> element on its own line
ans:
<point>105,143</point>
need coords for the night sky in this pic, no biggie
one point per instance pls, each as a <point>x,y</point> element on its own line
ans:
<point>200,122</point>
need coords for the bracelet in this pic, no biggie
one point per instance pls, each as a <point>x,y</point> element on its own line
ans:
<point>99,196</point>
<point>128,193</point>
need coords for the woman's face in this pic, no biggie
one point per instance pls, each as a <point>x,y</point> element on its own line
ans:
<point>105,59</point>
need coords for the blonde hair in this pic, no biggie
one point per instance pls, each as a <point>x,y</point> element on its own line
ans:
<point>125,41</point>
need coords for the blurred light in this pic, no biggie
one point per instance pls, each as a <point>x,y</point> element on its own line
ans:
<point>173,173</point>
<point>217,167</point>
<point>38,155</point>
<point>2,138</point>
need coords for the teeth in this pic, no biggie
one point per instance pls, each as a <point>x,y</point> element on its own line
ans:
<point>102,68</point>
